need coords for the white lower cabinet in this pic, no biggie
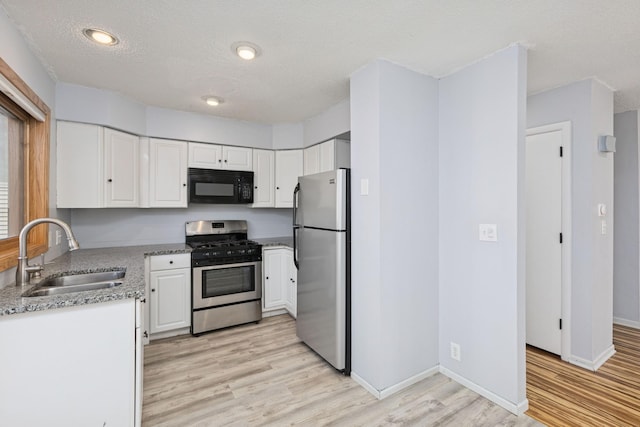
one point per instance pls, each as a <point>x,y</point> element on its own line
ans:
<point>291,279</point>
<point>280,277</point>
<point>74,366</point>
<point>169,294</point>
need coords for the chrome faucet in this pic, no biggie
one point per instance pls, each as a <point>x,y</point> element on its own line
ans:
<point>23,273</point>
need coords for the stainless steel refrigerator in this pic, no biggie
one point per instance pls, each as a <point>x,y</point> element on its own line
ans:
<point>322,254</point>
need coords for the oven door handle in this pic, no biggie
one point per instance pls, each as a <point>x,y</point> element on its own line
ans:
<point>295,247</point>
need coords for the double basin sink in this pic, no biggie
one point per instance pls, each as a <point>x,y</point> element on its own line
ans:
<point>76,283</point>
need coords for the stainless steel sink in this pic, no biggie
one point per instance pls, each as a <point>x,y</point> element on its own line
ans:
<point>76,283</point>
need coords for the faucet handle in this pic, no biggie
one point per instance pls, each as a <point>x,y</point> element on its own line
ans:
<point>37,268</point>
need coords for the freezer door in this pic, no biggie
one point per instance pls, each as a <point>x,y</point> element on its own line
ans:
<point>322,200</point>
<point>321,322</point>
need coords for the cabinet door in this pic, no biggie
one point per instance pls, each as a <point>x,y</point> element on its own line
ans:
<point>170,303</point>
<point>79,166</point>
<point>327,156</point>
<point>121,166</point>
<point>311,160</point>
<point>263,179</point>
<point>288,169</point>
<point>168,173</point>
<point>291,282</point>
<point>86,372</point>
<point>205,156</point>
<point>237,158</point>
<point>274,279</point>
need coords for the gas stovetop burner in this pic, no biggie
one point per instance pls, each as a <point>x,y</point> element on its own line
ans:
<point>222,244</point>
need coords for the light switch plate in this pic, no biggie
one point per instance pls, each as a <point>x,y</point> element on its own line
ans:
<point>364,187</point>
<point>488,232</point>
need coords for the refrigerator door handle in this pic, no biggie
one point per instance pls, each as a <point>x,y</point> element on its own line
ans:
<point>295,248</point>
<point>296,190</point>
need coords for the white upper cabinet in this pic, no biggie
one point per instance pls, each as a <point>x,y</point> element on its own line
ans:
<point>167,173</point>
<point>97,167</point>
<point>263,179</point>
<point>212,156</point>
<point>121,168</point>
<point>288,168</point>
<point>329,155</point>
<point>237,158</point>
<point>79,171</point>
<point>205,156</point>
<point>312,160</point>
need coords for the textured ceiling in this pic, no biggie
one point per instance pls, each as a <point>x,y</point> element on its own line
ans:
<point>173,52</point>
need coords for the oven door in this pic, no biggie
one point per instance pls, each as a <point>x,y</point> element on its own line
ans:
<point>226,284</point>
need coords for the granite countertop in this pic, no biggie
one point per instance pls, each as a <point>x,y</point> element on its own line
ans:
<point>87,261</point>
<point>276,241</point>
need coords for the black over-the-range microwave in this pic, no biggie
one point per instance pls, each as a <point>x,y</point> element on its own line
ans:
<point>220,186</point>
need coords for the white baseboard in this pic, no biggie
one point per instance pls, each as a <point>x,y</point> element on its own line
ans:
<point>593,365</point>
<point>517,409</point>
<point>169,334</point>
<point>624,322</point>
<point>381,394</point>
<point>276,312</point>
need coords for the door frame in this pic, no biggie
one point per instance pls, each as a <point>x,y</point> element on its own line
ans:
<point>565,130</point>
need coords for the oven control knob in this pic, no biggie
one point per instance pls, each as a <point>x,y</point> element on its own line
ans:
<point>229,252</point>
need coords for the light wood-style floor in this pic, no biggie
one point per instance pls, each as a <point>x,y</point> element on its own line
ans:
<point>263,375</point>
<point>561,394</point>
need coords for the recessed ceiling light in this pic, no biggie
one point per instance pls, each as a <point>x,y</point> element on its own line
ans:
<point>245,50</point>
<point>100,36</point>
<point>213,101</point>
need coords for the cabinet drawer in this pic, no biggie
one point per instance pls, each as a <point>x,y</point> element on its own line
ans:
<point>169,262</point>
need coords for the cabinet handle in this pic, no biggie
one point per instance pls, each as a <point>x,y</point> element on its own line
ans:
<point>153,290</point>
<point>184,185</point>
<point>109,180</point>
<point>267,278</point>
<point>277,188</point>
<point>171,262</point>
<point>256,187</point>
<point>219,160</point>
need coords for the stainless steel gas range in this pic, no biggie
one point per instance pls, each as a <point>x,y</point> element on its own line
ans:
<point>226,273</point>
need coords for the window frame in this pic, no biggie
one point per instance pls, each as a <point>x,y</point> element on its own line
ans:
<point>36,171</point>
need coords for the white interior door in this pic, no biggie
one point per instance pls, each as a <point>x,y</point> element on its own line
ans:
<point>544,249</point>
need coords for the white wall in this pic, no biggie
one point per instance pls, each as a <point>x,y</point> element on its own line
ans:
<point>17,54</point>
<point>626,251</point>
<point>96,228</point>
<point>589,107</point>
<point>482,126</point>
<point>287,135</point>
<point>328,124</point>
<point>394,133</point>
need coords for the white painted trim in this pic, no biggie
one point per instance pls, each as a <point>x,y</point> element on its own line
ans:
<point>565,128</point>
<point>168,334</point>
<point>364,384</point>
<point>408,382</point>
<point>624,322</point>
<point>275,312</point>
<point>382,394</point>
<point>515,408</point>
<point>19,98</point>
<point>595,364</point>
